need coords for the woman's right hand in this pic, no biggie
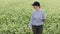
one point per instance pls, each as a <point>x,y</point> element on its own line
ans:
<point>28,29</point>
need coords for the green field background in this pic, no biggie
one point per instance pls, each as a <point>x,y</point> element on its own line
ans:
<point>15,16</point>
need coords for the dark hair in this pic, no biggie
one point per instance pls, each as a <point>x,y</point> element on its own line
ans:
<point>36,3</point>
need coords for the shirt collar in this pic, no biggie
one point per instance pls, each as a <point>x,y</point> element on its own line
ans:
<point>37,11</point>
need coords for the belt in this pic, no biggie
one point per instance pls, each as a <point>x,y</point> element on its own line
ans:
<point>36,25</point>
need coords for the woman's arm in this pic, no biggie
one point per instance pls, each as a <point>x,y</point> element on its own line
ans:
<point>43,17</point>
<point>31,20</point>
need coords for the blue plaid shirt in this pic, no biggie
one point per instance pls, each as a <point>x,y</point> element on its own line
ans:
<point>36,18</point>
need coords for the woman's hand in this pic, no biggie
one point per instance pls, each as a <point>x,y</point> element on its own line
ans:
<point>44,20</point>
<point>28,29</point>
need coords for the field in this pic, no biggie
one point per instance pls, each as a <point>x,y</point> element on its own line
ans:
<point>15,16</point>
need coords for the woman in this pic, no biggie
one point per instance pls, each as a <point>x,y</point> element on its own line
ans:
<point>37,19</point>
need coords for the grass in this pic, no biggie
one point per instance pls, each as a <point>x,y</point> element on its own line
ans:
<point>15,16</point>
